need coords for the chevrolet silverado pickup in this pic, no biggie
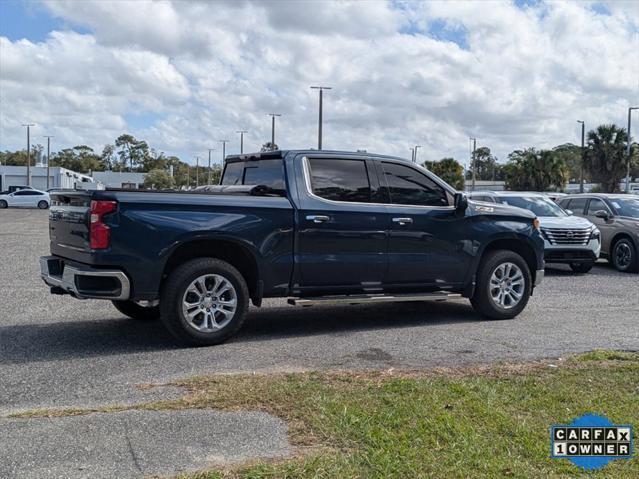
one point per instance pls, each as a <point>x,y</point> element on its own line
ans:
<point>316,227</point>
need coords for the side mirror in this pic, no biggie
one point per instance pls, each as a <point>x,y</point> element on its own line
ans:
<point>461,203</point>
<point>570,212</point>
<point>602,214</point>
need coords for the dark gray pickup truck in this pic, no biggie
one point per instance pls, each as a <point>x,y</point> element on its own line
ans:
<point>316,227</point>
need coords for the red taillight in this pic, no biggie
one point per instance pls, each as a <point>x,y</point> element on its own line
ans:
<point>100,233</point>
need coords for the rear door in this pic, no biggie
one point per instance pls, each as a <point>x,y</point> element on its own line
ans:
<point>425,234</point>
<point>341,243</point>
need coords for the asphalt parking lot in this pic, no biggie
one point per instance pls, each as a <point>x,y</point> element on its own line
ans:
<point>56,351</point>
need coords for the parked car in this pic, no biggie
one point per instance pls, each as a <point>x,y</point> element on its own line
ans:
<point>617,216</point>
<point>317,227</point>
<point>567,239</point>
<point>25,198</point>
<point>14,188</point>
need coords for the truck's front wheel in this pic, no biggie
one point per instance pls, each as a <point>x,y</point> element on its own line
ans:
<point>503,285</point>
<point>204,301</point>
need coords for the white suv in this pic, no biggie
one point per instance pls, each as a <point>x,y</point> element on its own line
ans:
<point>568,239</point>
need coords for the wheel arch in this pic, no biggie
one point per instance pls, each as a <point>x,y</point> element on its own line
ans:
<point>234,252</point>
<point>517,245</point>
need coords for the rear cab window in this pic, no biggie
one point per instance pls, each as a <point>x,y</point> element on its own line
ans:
<point>266,172</point>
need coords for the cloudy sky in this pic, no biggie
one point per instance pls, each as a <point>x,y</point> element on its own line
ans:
<point>183,75</point>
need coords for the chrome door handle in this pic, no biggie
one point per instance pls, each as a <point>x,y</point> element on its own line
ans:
<point>317,218</point>
<point>403,221</point>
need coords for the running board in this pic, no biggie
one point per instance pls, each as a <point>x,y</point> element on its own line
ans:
<point>373,298</point>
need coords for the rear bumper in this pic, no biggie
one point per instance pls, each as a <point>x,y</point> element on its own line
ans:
<point>82,281</point>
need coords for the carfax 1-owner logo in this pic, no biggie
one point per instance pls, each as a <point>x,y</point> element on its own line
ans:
<point>591,441</point>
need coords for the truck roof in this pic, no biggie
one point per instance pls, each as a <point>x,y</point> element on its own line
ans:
<point>283,153</point>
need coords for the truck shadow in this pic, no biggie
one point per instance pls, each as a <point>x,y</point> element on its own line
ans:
<point>82,339</point>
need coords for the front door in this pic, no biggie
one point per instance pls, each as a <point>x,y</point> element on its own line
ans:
<point>425,235</point>
<point>342,235</point>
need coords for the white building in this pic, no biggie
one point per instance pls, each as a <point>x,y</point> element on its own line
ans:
<point>117,179</point>
<point>58,177</point>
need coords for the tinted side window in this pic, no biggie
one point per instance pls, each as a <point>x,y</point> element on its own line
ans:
<point>340,180</point>
<point>595,205</point>
<point>577,205</point>
<point>410,187</point>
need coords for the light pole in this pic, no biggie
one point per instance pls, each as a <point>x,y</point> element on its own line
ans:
<point>210,150</point>
<point>412,155</point>
<point>319,127</point>
<point>415,154</point>
<point>628,151</point>
<point>273,115</point>
<point>472,162</point>
<point>48,157</point>
<point>241,132</point>
<point>224,142</point>
<point>28,125</point>
<point>197,171</point>
<point>581,176</point>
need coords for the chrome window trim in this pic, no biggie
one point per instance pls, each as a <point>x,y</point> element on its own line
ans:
<point>306,167</point>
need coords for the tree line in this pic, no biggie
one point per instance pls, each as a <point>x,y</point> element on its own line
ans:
<point>126,153</point>
<point>604,162</point>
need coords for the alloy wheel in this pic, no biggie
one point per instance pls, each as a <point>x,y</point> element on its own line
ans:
<point>209,303</point>
<point>507,285</point>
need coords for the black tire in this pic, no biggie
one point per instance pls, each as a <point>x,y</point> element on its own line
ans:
<point>581,268</point>
<point>135,311</point>
<point>624,256</point>
<point>43,205</point>
<point>483,301</point>
<point>3,204</point>
<point>175,288</point>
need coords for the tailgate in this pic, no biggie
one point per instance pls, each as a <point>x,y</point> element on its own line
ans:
<point>69,221</point>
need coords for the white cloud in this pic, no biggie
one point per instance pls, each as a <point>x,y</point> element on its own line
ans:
<point>207,69</point>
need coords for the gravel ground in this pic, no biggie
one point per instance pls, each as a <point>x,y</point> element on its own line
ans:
<point>57,351</point>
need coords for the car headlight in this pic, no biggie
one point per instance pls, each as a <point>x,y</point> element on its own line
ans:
<point>595,233</point>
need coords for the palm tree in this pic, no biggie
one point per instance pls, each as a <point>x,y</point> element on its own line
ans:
<point>537,170</point>
<point>605,156</point>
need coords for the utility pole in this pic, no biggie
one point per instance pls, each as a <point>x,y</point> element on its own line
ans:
<point>472,162</point>
<point>583,155</point>
<point>210,150</point>
<point>224,142</point>
<point>28,125</point>
<point>273,115</point>
<point>197,171</point>
<point>241,132</point>
<point>319,128</point>
<point>48,157</point>
<point>415,154</point>
<point>628,151</point>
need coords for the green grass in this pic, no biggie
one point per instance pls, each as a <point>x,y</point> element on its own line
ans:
<point>481,422</point>
<point>486,422</point>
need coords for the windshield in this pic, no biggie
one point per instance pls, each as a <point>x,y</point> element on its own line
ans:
<point>537,204</point>
<point>626,206</point>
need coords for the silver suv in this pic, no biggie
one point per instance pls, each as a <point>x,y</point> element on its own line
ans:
<point>617,216</point>
<point>568,239</point>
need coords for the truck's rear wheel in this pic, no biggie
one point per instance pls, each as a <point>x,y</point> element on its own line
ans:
<point>137,311</point>
<point>503,285</point>
<point>204,301</point>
